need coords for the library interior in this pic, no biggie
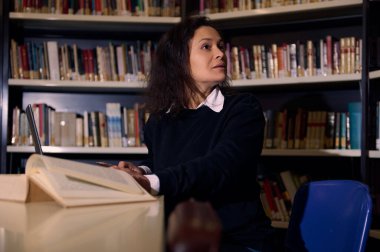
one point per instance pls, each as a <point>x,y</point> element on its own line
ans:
<point>83,66</point>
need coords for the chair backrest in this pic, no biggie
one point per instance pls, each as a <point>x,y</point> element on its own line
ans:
<point>331,215</point>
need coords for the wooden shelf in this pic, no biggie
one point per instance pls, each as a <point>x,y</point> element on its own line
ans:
<point>336,9</point>
<point>288,10</point>
<point>339,78</point>
<point>280,224</point>
<point>143,150</point>
<point>140,85</point>
<point>374,154</point>
<point>78,85</point>
<point>79,150</point>
<point>94,18</point>
<point>374,233</point>
<point>62,22</point>
<point>374,74</point>
<point>311,152</point>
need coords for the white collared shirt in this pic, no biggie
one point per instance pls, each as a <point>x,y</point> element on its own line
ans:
<point>215,101</point>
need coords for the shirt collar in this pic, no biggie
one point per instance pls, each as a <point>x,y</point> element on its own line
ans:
<point>215,100</point>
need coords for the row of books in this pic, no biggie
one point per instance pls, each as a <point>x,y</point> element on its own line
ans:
<point>310,58</point>
<point>118,126</point>
<point>129,61</point>
<point>216,6</point>
<point>303,129</point>
<point>168,8</point>
<point>278,191</point>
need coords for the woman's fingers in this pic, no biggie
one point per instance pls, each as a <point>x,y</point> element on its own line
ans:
<point>128,166</point>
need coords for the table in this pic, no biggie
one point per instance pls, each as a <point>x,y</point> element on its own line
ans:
<point>45,226</point>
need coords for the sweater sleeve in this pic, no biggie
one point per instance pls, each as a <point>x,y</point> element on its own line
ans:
<point>229,168</point>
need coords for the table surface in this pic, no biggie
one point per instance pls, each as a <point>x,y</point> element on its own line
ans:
<point>45,226</point>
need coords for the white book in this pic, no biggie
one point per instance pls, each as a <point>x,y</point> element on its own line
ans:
<point>53,58</point>
<point>289,184</point>
<point>121,63</point>
<point>79,132</point>
<point>16,126</point>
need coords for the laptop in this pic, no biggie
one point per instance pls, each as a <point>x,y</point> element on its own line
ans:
<point>33,129</point>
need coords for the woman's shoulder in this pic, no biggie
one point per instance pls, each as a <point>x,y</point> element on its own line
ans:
<point>247,100</point>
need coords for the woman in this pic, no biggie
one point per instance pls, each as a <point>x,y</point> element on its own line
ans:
<point>203,141</point>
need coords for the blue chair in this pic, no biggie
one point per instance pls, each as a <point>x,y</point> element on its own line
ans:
<point>331,215</point>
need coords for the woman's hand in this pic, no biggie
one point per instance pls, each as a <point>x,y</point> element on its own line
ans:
<point>143,181</point>
<point>136,172</point>
<point>128,166</point>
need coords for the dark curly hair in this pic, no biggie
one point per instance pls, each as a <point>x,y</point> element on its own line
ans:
<point>170,83</point>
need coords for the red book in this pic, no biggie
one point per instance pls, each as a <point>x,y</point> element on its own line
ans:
<point>329,53</point>
<point>91,65</point>
<point>85,63</point>
<point>269,195</point>
<point>24,61</point>
<point>65,6</point>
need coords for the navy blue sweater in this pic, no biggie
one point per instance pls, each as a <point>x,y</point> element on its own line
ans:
<point>213,157</point>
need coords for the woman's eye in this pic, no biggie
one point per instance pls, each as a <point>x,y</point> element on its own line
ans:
<point>207,47</point>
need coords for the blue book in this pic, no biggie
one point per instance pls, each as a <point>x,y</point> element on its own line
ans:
<point>343,130</point>
<point>355,114</point>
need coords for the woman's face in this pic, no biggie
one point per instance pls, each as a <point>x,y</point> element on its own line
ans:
<point>207,59</point>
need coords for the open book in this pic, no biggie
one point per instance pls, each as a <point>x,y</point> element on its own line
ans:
<point>70,183</point>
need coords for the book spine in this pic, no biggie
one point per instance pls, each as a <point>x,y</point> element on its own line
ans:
<point>79,134</point>
<point>52,47</point>
<point>355,115</point>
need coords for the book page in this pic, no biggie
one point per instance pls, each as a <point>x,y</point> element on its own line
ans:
<point>73,188</point>
<point>110,196</point>
<point>96,174</point>
<point>13,187</point>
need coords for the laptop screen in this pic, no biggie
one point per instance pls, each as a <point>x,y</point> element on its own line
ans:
<point>33,129</point>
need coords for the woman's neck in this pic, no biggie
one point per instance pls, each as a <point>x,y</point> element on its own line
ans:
<point>198,97</point>
<point>194,103</point>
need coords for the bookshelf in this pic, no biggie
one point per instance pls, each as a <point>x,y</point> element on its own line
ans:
<point>70,95</point>
<point>235,24</point>
<point>310,21</point>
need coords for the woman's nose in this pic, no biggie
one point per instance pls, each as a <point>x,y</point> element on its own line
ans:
<point>219,53</point>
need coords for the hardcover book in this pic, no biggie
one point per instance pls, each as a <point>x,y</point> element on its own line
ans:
<point>70,184</point>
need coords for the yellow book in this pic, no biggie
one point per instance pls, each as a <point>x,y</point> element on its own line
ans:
<point>70,183</point>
